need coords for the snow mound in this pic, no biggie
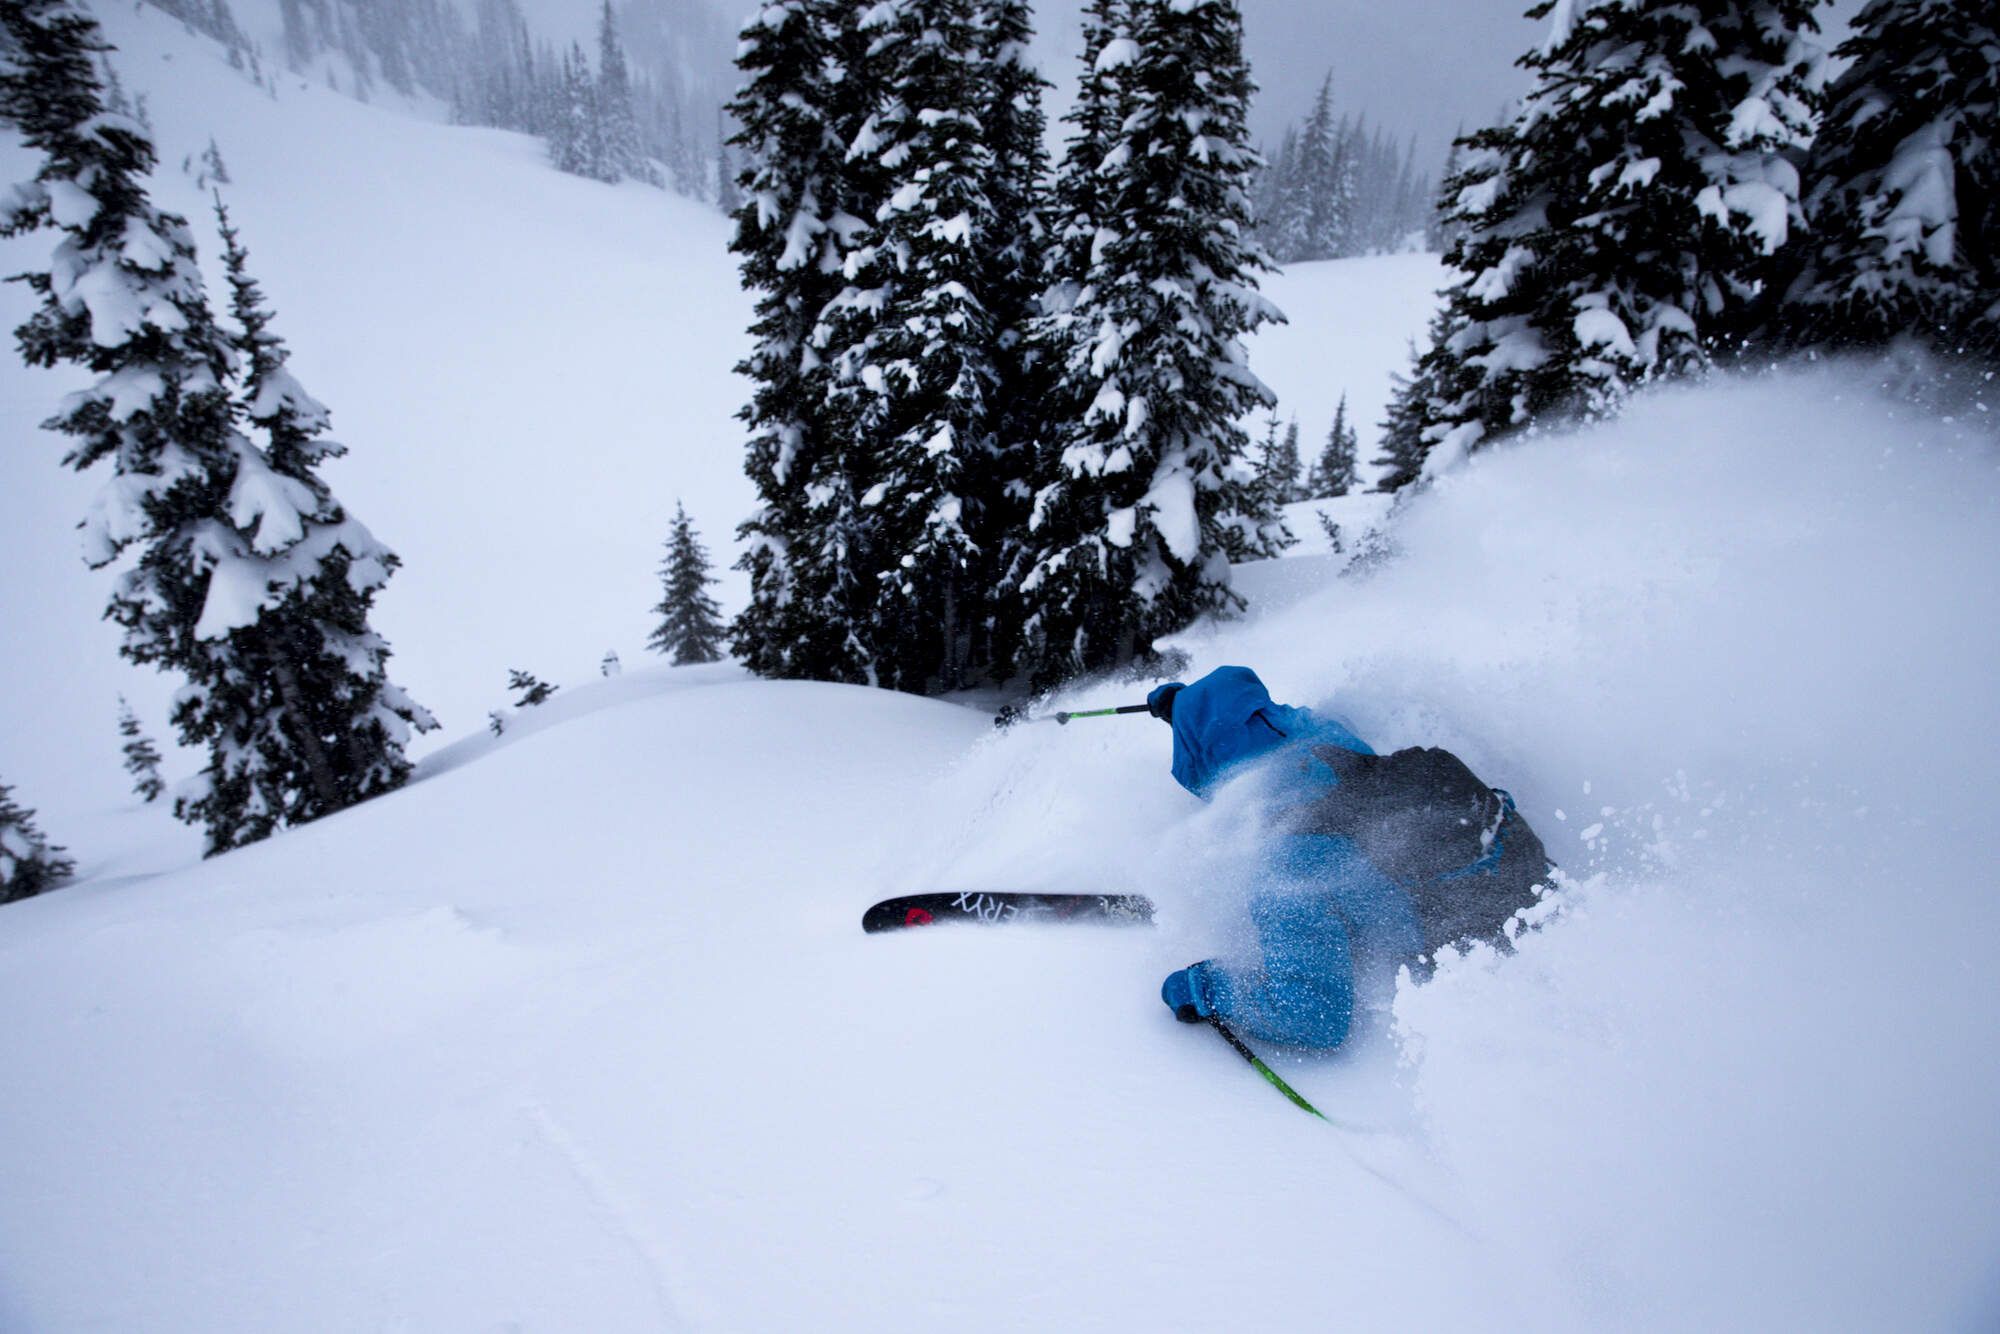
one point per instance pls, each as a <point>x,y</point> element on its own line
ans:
<point>1734,656</point>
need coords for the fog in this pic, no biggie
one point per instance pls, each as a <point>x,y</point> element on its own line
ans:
<point>1422,67</point>
<point>1417,67</point>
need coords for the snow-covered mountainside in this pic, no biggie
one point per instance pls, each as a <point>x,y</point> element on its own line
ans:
<point>579,1031</point>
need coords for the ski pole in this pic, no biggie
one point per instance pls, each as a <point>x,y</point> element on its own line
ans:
<point>1243,1050</point>
<point>1105,713</point>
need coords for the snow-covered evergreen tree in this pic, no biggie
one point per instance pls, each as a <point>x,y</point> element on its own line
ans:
<point>576,138</point>
<point>242,556</point>
<point>914,345</point>
<point>1441,234</point>
<point>1016,128</point>
<point>1325,180</point>
<point>1283,469</point>
<point>142,757</point>
<point>1627,225</point>
<point>289,690</point>
<point>1904,186</point>
<point>1333,471</point>
<point>690,628</point>
<point>29,864</point>
<point>806,541</point>
<point>610,666</point>
<point>122,298</point>
<point>1079,200</point>
<point>620,154</point>
<point>1274,196</point>
<point>1145,491</point>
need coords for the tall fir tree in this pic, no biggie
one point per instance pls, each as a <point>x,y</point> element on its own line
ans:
<point>225,534</point>
<point>142,757</point>
<point>291,695</point>
<point>1277,200</point>
<point>576,125</point>
<point>29,863</point>
<point>122,298</point>
<point>621,156</point>
<point>1017,129</point>
<point>1326,180</point>
<point>1904,186</point>
<point>1333,471</point>
<point>805,543</point>
<point>1079,202</point>
<point>913,347</point>
<point>1627,226</point>
<point>1145,491</point>
<point>690,628</point>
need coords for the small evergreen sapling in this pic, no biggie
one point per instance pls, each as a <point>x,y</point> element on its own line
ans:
<point>1333,473</point>
<point>142,758</point>
<point>29,863</point>
<point>690,623</point>
<point>1282,466</point>
<point>611,666</point>
<point>529,690</point>
<point>213,170</point>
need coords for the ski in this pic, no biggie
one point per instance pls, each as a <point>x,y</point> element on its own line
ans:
<point>994,909</point>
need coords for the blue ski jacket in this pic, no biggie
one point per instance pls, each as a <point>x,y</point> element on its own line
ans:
<point>1326,918</point>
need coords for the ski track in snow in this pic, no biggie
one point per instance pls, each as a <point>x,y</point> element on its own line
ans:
<point>621,1218</point>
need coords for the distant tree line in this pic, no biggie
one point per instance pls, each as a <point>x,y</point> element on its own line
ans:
<point>994,430</point>
<point>1337,189</point>
<point>1682,190</point>
<point>608,117</point>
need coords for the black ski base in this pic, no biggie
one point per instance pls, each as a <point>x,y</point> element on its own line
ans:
<point>995,909</point>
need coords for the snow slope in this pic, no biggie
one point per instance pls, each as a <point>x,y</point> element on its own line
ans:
<point>579,1032</point>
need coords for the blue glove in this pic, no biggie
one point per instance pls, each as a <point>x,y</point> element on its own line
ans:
<point>1161,702</point>
<point>1187,993</point>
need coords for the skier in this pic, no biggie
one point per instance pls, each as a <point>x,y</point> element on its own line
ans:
<point>1370,862</point>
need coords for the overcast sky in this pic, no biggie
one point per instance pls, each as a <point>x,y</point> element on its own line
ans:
<point>1419,66</point>
<point>1422,67</point>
